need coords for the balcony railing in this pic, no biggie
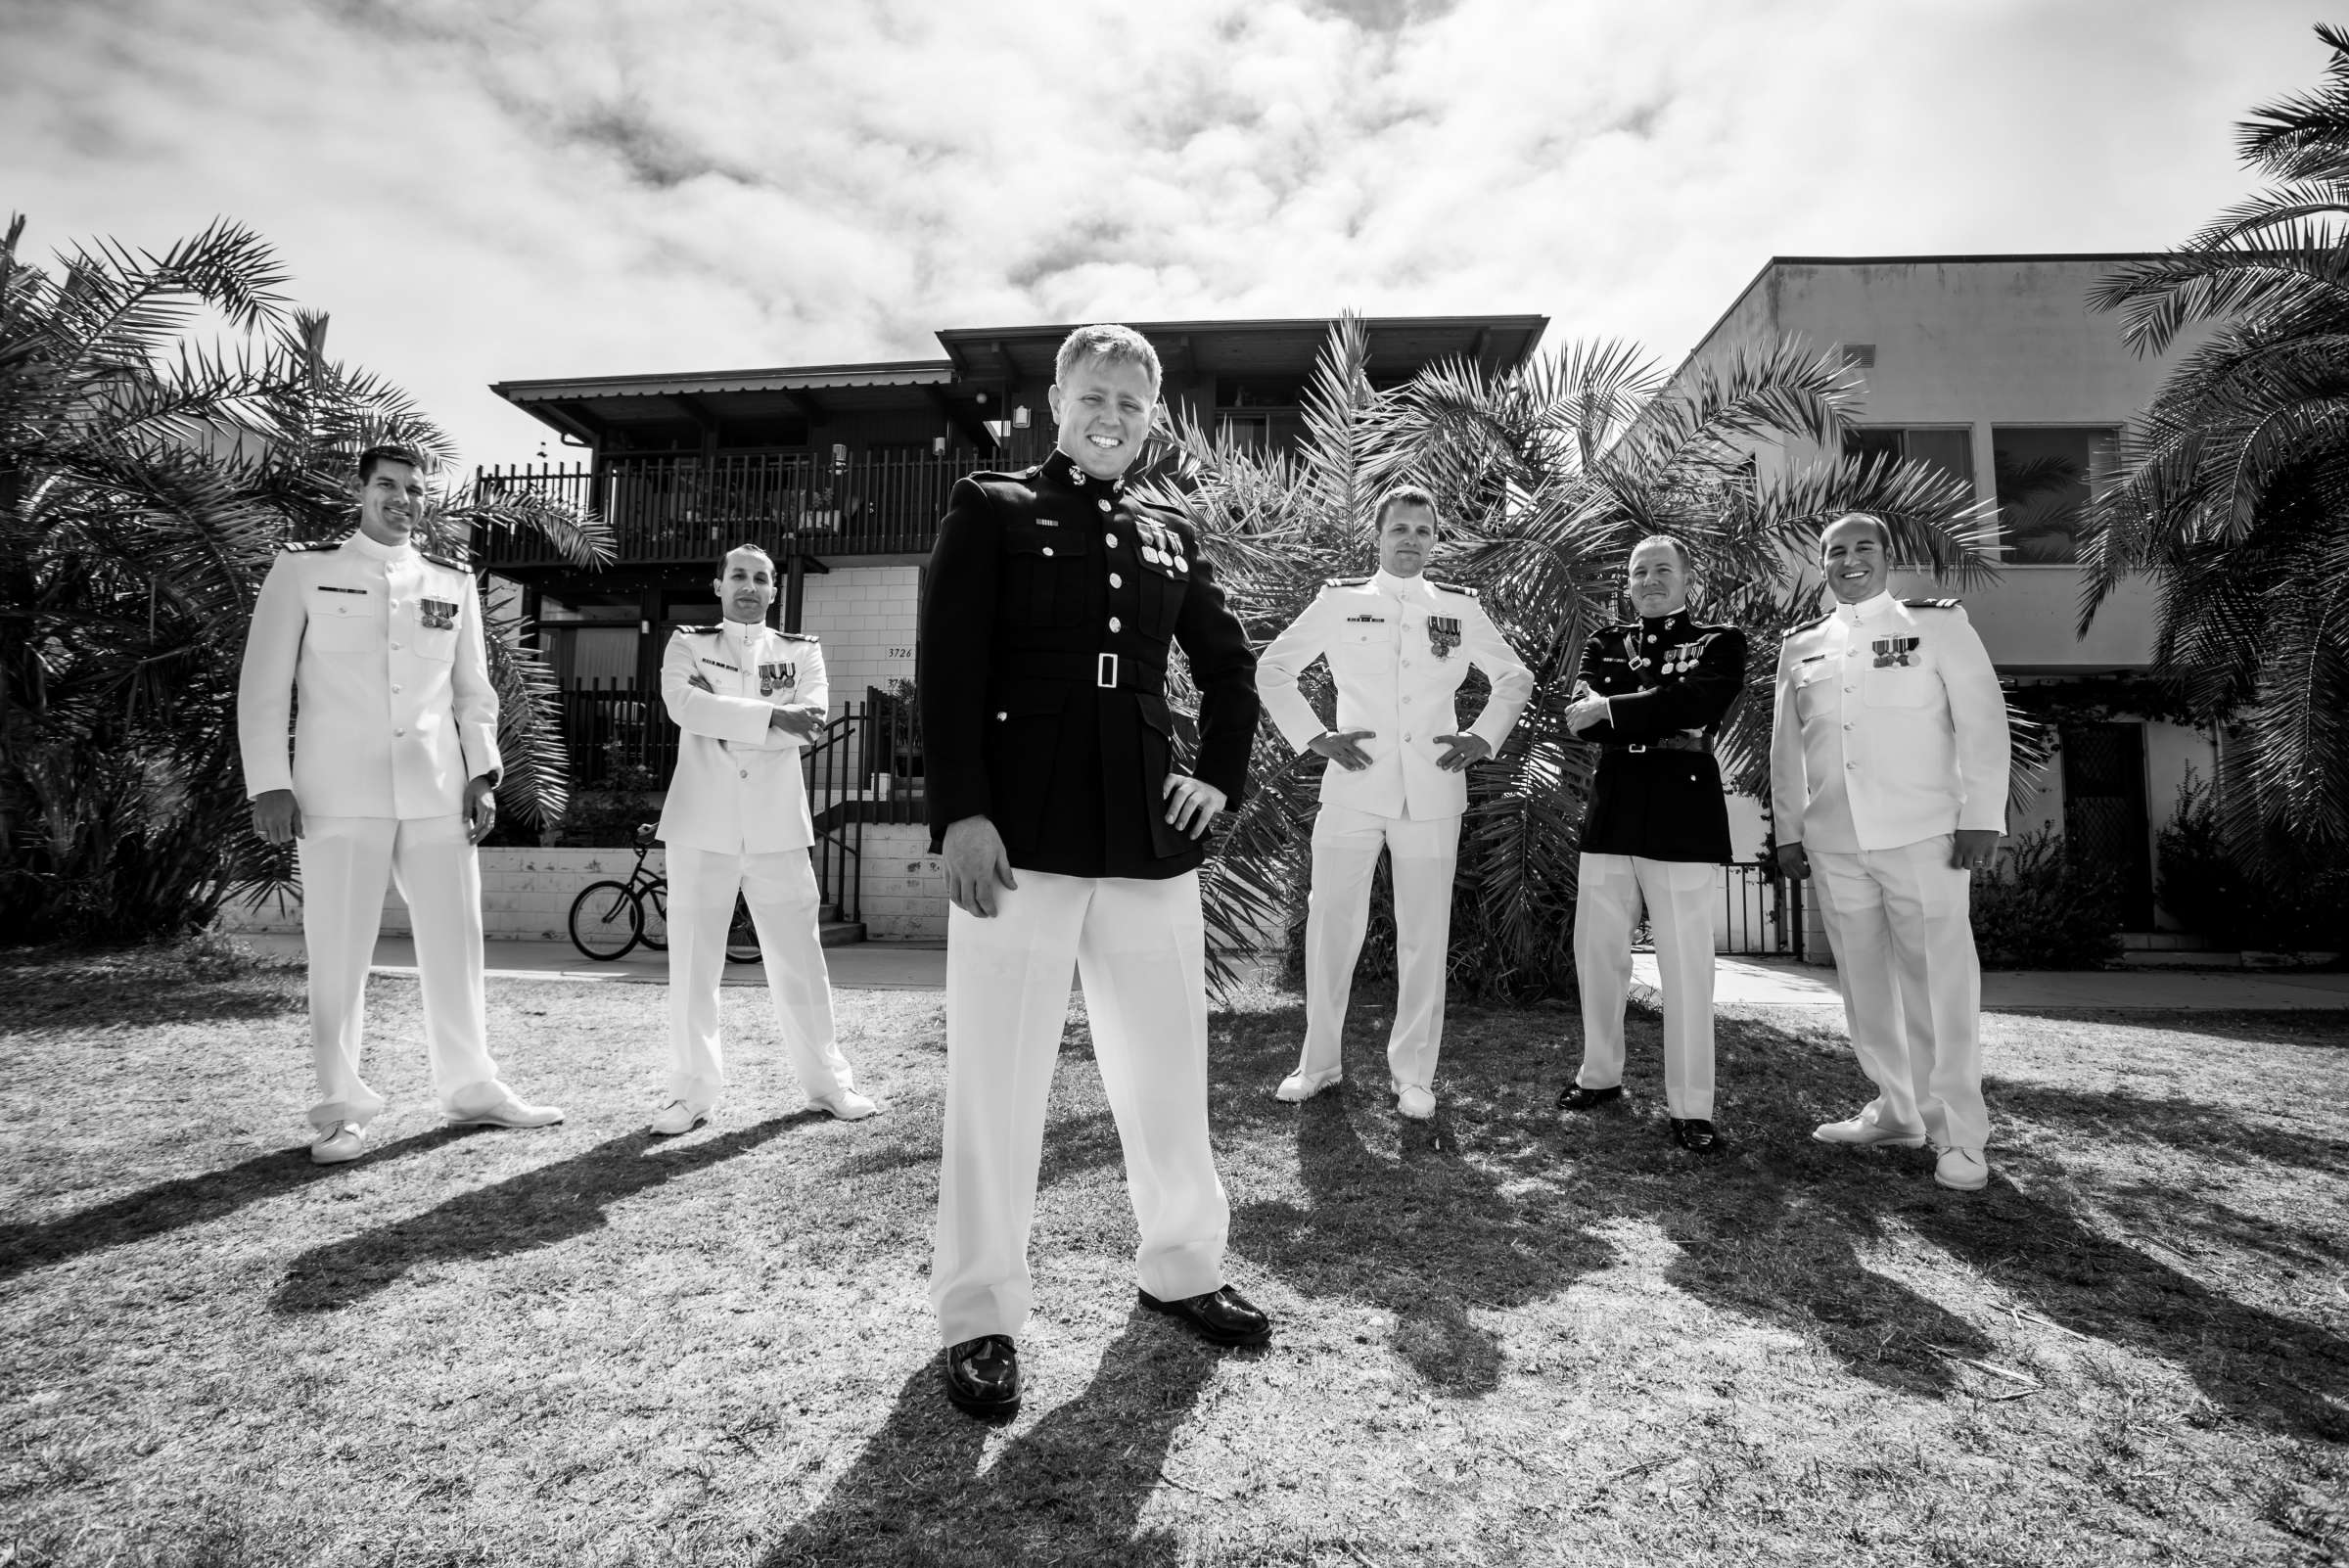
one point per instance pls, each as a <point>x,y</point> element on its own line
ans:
<point>688,508</point>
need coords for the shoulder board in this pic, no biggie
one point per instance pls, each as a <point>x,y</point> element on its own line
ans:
<point>1453,587</point>
<point>293,547</point>
<point>1808,625</point>
<point>1932,604</point>
<point>1343,582</point>
<point>1023,476</point>
<point>448,559</point>
<point>701,632</point>
<point>796,636</point>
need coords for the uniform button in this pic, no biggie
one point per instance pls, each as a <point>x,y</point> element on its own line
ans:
<point>395,647</point>
<point>399,732</point>
<point>1847,726</point>
<point>1110,540</point>
<point>1406,699</point>
<point>745,772</point>
<point>395,692</point>
<point>1104,505</point>
<point>1113,623</point>
<point>396,603</point>
<point>1850,768</point>
<point>1116,581</point>
<point>1652,637</point>
<point>1003,715</point>
<point>1048,549</point>
<point>1851,689</point>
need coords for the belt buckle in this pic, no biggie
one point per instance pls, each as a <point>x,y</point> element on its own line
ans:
<point>1105,671</point>
<point>1637,747</point>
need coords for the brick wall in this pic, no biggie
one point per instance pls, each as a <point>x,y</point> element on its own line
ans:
<point>865,617</point>
<point>904,885</point>
<point>526,894</point>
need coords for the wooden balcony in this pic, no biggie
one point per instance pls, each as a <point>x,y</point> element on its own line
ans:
<point>688,508</point>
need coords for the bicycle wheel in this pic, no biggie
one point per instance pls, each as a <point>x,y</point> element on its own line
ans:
<point>742,936</point>
<point>654,902</point>
<point>605,922</point>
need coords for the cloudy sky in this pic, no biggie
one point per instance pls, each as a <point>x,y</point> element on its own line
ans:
<point>479,191</point>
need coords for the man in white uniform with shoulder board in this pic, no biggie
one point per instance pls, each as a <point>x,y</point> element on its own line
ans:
<point>390,777</point>
<point>1399,646</point>
<point>749,699</point>
<point>1889,754</point>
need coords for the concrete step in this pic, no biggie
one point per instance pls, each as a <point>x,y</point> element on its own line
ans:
<point>841,933</point>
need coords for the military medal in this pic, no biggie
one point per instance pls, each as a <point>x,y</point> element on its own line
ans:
<point>437,614</point>
<point>1896,651</point>
<point>1443,634</point>
<point>772,675</point>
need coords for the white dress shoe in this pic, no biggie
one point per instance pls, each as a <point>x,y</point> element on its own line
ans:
<point>677,1117</point>
<point>1415,1102</point>
<point>1861,1133</point>
<point>1304,1085</point>
<point>338,1143</point>
<point>1962,1170</point>
<point>509,1112</point>
<point>846,1106</point>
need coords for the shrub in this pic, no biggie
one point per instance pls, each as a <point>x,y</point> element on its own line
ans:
<point>2215,894</point>
<point>2040,908</point>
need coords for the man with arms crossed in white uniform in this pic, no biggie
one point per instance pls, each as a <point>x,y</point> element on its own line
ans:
<point>1399,646</point>
<point>393,765</point>
<point>748,698</point>
<point>1888,759</point>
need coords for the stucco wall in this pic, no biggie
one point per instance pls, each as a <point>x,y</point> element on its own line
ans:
<point>866,616</point>
<point>526,894</point>
<point>904,885</point>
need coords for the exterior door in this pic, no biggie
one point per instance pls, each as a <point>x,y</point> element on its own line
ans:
<point>2104,820</point>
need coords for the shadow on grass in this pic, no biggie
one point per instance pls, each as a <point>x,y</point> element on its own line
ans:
<point>1502,1202</point>
<point>195,1200</point>
<point>1070,1488</point>
<point>535,1209</point>
<point>2193,1126</point>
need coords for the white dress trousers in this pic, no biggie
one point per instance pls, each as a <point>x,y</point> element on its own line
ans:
<point>1424,855</point>
<point>781,891</point>
<point>1610,892</point>
<point>345,861</point>
<point>1904,946</point>
<point>1139,949</point>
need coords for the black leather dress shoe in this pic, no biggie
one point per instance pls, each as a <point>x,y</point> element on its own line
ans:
<point>982,1375</point>
<point>1222,1315</point>
<point>1695,1135</point>
<point>1575,1097</point>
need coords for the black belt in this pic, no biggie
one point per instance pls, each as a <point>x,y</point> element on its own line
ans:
<point>1669,742</point>
<point>1108,671</point>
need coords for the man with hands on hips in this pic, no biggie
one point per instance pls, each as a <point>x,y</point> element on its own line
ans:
<point>1398,645</point>
<point>748,698</point>
<point>1889,755</point>
<point>1072,836</point>
<point>391,776</point>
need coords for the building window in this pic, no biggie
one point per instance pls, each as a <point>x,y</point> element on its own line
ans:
<point>1947,447</point>
<point>2046,475</point>
<point>1248,431</point>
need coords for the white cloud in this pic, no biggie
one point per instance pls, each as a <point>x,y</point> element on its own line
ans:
<point>560,188</point>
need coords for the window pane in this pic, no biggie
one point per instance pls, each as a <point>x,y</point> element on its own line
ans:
<point>2043,476</point>
<point>1950,451</point>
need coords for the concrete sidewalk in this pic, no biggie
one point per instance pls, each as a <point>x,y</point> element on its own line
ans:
<point>1737,983</point>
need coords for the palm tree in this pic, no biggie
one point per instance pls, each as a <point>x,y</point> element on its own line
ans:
<point>147,478</point>
<point>1546,475</point>
<point>2232,496</point>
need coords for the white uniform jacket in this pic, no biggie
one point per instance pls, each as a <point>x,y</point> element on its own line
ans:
<point>1397,650</point>
<point>737,789</point>
<point>386,648</point>
<point>1889,728</point>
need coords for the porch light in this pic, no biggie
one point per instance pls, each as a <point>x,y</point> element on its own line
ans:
<point>1019,417</point>
<point>938,446</point>
<point>840,455</point>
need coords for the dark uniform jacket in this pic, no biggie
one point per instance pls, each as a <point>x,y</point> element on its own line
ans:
<point>1051,603</point>
<point>1658,791</point>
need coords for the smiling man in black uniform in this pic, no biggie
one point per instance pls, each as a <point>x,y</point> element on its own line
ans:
<point>1654,690</point>
<point>1072,840</point>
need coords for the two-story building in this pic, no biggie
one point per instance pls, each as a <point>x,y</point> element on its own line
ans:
<point>1993,369</point>
<point>841,473</point>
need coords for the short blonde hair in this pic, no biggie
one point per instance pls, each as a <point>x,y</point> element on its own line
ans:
<point>1119,345</point>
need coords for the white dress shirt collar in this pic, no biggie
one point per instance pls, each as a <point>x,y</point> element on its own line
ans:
<point>1406,589</point>
<point>1852,615</point>
<point>375,550</point>
<point>745,634</point>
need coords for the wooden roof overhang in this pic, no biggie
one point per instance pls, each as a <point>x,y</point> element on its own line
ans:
<point>594,408</point>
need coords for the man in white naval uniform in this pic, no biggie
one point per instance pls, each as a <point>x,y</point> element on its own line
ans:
<point>1397,646</point>
<point>1888,754</point>
<point>749,699</point>
<point>393,765</point>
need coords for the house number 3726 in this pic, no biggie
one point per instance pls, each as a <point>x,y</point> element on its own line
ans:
<point>901,653</point>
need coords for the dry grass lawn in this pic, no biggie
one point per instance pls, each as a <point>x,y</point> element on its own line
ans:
<point>1506,1337</point>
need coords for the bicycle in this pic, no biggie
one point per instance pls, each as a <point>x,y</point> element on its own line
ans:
<point>610,919</point>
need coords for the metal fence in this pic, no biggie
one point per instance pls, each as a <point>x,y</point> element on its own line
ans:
<point>1760,913</point>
